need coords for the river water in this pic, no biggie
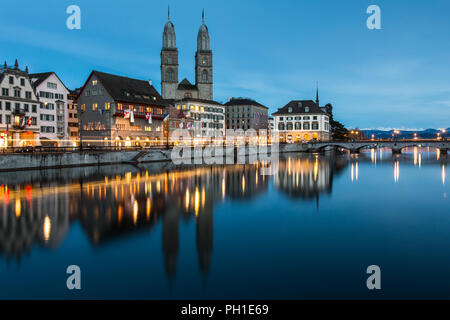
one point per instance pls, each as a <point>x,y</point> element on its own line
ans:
<point>158,231</point>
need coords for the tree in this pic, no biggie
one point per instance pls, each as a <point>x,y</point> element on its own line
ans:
<point>338,131</point>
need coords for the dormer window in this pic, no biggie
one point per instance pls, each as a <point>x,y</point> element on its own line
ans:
<point>290,109</point>
<point>306,109</point>
<point>94,82</point>
<point>299,104</point>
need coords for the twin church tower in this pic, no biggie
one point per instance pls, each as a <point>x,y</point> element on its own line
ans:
<point>170,88</point>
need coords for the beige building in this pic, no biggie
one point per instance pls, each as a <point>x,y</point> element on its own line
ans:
<point>302,120</point>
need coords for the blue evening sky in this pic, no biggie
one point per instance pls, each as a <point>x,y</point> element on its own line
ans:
<point>271,51</point>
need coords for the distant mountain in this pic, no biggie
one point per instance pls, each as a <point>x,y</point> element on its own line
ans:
<point>406,134</point>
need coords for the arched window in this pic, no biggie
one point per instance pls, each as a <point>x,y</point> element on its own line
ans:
<point>204,75</point>
<point>281,126</point>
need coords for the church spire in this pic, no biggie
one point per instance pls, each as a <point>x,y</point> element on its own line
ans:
<point>317,93</point>
<point>168,12</point>
<point>203,16</point>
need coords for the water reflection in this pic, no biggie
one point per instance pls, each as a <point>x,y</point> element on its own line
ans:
<point>112,202</point>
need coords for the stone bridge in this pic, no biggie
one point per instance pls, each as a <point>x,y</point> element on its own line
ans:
<point>396,146</point>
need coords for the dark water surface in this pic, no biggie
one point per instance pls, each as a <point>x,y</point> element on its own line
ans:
<point>161,232</point>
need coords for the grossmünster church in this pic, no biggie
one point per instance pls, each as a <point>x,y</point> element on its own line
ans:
<point>170,87</point>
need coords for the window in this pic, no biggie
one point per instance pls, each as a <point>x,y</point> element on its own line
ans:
<point>52,85</point>
<point>94,82</point>
<point>5,92</point>
<point>281,126</point>
<point>290,109</point>
<point>11,80</point>
<point>305,125</point>
<point>170,75</point>
<point>289,126</point>
<point>107,105</point>
<point>94,106</point>
<point>204,76</point>
<point>8,119</point>
<point>0,105</point>
<point>315,126</point>
<point>33,108</point>
<point>7,106</point>
<point>17,93</point>
<point>314,117</point>
<point>298,126</point>
<point>26,107</point>
<point>306,109</point>
<point>22,82</point>
<point>119,107</point>
<point>1,119</point>
<point>27,94</point>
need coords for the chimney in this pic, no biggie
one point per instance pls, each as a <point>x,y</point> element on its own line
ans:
<point>150,82</point>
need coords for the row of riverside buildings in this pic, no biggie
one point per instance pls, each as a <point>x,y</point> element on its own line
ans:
<point>112,110</point>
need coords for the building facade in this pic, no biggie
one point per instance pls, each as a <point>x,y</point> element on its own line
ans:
<point>72,116</point>
<point>242,113</point>
<point>52,94</point>
<point>203,87</point>
<point>302,120</point>
<point>120,111</point>
<point>208,116</point>
<point>19,108</point>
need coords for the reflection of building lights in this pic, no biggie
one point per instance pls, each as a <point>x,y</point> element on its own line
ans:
<point>352,172</point>
<point>187,199</point>
<point>119,214</point>
<point>18,207</point>
<point>47,228</point>
<point>443,174</point>
<point>135,211</point>
<point>438,153</point>
<point>223,187</point>
<point>203,197</point>
<point>316,169</point>
<point>420,160</point>
<point>196,201</point>
<point>148,208</point>
<point>396,171</point>
<point>415,156</point>
<point>243,183</point>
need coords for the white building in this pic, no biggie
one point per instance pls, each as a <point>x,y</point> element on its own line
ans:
<point>208,116</point>
<point>19,108</point>
<point>302,120</point>
<point>52,94</point>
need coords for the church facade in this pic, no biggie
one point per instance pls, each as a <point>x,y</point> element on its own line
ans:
<point>171,89</point>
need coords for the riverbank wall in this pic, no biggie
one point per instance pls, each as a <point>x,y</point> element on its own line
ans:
<point>33,161</point>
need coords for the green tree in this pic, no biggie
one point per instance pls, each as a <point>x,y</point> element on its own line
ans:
<point>338,130</point>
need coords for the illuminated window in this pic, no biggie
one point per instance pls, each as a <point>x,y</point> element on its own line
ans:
<point>94,106</point>
<point>94,82</point>
<point>119,106</point>
<point>107,105</point>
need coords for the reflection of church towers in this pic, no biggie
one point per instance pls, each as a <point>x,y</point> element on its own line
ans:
<point>170,240</point>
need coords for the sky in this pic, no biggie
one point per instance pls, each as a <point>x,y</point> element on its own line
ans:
<point>270,51</point>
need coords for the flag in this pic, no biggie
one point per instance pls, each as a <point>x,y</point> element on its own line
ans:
<point>30,122</point>
<point>126,114</point>
<point>166,117</point>
<point>100,110</point>
<point>148,116</point>
<point>7,127</point>
<point>181,125</point>
<point>131,116</point>
<point>189,125</point>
